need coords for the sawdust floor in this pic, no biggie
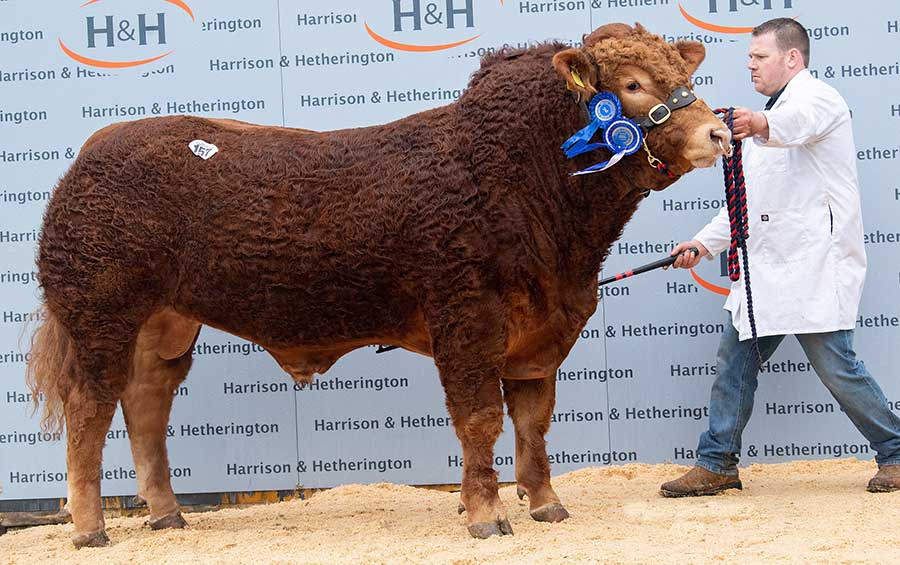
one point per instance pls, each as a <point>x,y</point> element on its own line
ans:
<point>802,512</point>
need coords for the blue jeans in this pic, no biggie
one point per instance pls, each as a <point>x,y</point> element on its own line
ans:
<point>831,355</point>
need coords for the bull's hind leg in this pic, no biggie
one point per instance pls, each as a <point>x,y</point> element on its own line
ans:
<point>161,363</point>
<point>89,405</point>
<point>530,405</point>
<point>469,359</point>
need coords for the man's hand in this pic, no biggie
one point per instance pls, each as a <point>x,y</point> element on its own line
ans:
<point>686,258</point>
<point>748,123</point>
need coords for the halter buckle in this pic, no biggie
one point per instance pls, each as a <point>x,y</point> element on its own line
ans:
<point>659,114</point>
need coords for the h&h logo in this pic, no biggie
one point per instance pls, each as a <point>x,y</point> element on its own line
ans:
<point>733,5</point>
<point>140,33</point>
<point>427,18</point>
<point>433,16</point>
<point>125,32</point>
<point>720,9</point>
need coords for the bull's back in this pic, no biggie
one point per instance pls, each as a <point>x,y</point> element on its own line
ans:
<point>281,235</point>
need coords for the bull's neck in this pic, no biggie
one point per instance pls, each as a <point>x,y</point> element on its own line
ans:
<point>596,207</point>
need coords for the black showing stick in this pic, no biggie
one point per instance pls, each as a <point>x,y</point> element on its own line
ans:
<point>644,268</point>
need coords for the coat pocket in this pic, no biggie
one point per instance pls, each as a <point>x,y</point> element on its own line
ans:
<point>767,160</point>
<point>784,236</point>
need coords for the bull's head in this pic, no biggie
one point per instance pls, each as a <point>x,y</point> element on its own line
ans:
<point>644,71</point>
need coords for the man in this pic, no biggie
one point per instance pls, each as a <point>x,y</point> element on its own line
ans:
<point>806,257</point>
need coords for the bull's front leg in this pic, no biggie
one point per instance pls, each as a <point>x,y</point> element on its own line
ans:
<point>469,344</point>
<point>477,414</point>
<point>531,405</point>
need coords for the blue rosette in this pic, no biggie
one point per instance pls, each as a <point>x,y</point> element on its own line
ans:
<point>604,108</point>
<point>623,136</point>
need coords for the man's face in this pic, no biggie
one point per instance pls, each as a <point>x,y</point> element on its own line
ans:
<point>768,64</point>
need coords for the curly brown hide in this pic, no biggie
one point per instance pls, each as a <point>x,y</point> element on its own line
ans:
<point>616,45</point>
<point>455,233</point>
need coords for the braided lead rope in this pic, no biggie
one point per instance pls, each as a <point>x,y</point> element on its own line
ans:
<point>736,212</point>
<point>736,198</point>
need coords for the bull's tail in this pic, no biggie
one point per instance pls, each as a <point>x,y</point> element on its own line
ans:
<point>50,370</point>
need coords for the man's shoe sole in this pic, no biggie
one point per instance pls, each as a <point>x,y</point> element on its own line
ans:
<point>708,492</point>
<point>880,488</point>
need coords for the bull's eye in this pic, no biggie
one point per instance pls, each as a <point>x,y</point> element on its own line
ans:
<point>633,86</point>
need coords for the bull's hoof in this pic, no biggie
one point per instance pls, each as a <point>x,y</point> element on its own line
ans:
<point>521,492</point>
<point>171,521</point>
<point>138,501</point>
<point>461,508</point>
<point>553,512</point>
<point>95,539</point>
<point>484,530</point>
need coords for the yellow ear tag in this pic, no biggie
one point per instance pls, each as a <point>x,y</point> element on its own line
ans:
<point>576,78</point>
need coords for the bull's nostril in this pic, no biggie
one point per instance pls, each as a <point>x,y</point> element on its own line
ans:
<point>722,138</point>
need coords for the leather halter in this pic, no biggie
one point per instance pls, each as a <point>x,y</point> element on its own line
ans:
<point>681,97</point>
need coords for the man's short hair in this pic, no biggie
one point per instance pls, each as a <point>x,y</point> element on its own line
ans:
<point>788,35</point>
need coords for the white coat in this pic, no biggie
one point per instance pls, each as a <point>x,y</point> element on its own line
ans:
<point>805,246</point>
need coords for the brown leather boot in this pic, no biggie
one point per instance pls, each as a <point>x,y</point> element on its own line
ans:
<point>699,482</point>
<point>887,479</point>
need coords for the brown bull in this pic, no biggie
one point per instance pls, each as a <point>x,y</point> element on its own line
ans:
<point>456,233</point>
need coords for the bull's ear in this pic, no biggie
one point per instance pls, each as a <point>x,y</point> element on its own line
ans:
<point>693,53</point>
<point>576,67</point>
